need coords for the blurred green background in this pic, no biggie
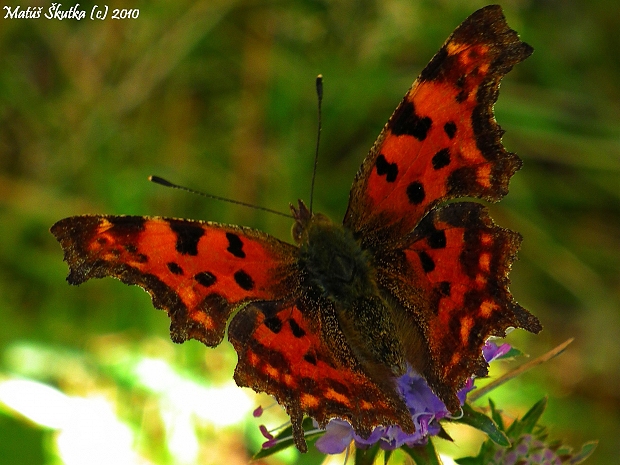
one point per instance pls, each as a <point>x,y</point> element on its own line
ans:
<point>219,95</point>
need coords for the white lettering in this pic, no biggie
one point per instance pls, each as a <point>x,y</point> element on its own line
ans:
<point>19,13</point>
<point>54,12</point>
<point>11,14</point>
<point>50,11</point>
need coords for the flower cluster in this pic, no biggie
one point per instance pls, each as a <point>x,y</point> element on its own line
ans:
<point>523,442</point>
<point>425,407</point>
<point>527,450</point>
<point>528,443</point>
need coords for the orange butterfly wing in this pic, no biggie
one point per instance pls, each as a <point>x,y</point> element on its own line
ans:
<point>452,279</point>
<point>446,267</point>
<point>442,141</point>
<point>198,272</point>
<point>282,351</point>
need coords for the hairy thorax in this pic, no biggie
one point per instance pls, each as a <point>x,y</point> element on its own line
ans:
<point>335,262</point>
<point>342,271</point>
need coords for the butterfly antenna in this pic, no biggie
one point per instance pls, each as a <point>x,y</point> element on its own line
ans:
<point>319,93</point>
<point>165,183</point>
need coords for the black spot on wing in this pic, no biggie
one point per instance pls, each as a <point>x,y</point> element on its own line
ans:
<point>274,324</point>
<point>445,288</point>
<point>244,280</point>
<point>310,358</point>
<point>428,264</point>
<point>127,224</point>
<point>174,268</point>
<point>390,170</point>
<point>235,245</point>
<point>205,278</point>
<point>450,129</point>
<point>415,192</point>
<point>441,159</point>
<point>188,236</point>
<point>297,330</point>
<point>437,239</point>
<point>406,122</point>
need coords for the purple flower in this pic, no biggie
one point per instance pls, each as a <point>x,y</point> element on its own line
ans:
<point>271,440</point>
<point>491,351</point>
<point>530,449</point>
<point>425,407</point>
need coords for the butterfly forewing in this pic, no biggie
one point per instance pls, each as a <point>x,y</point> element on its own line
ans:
<point>442,141</point>
<point>198,272</point>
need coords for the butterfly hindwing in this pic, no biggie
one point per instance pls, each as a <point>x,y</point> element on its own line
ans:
<point>198,272</point>
<point>282,351</point>
<point>453,277</point>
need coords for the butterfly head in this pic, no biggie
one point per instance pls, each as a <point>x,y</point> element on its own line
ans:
<point>304,219</point>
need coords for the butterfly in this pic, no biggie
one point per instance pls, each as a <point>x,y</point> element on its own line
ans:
<point>407,279</point>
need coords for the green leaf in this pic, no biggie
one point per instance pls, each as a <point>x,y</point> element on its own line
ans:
<point>529,420</point>
<point>487,450</point>
<point>285,439</point>
<point>423,455</point>
<point>470,461</point>
<point>482,422</point>
<point>584,453</point>
<point>496,416</point>
<point>528,425</point>
<point>443,434</point>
